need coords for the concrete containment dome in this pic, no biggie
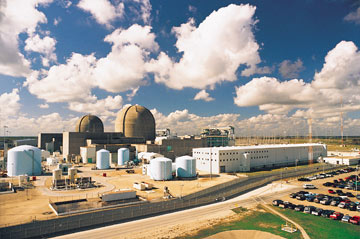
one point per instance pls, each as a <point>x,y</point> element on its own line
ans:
<point>136,121</point>
<point>23,160</point>
<point>89,124</point>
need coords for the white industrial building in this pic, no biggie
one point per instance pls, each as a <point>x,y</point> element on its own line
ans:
<point>247,158</point>
<point>343,160</point>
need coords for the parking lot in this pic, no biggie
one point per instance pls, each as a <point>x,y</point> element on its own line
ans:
<point>326,194</point>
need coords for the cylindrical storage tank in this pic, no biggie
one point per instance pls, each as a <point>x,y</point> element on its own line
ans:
<point>72,174</point>
<point>160,169</point>
<point>185,167</point>
<point>102,159</point>
<point>57,174</point>
<point>24,159</point>
<point>123,156</point>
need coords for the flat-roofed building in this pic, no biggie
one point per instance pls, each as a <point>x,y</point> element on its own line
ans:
<point>247,158</point>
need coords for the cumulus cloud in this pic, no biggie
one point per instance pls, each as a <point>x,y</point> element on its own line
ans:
<point>124,68</point>
<point>203,95</point>
<point>65,82</point>
<point>192,9</point>
<point>143,10</point>
<point>44,46</point>
<point>338,79</point>
<point>15,20</point>
<point>44,106</point>
<point>131,95</point>
<point>211,52</point>
<point>102,10</point>
<point>290,70</point>
<point>10,105</point>
<point>57,21</point>
<point>353,16</point>
<point>182,122</point>
<point>103,107</point>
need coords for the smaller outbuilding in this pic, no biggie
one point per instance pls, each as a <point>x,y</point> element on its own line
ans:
<point>342,160</point>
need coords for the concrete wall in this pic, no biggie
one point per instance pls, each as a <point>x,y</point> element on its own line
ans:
<point>44,138</point>
<point>101,217</point>
<point>72,141</point>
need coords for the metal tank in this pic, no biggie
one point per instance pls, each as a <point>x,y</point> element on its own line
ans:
<point>185,167</point>
<point>123,156</point>
<point>72,172</point>
<point>24,159</point>
<point>160,169</point>
<point>57,174</point>
<point>102,159</point>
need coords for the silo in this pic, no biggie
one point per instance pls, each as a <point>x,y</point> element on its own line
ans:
<point>123,156</point>
<point>185,167</point>
<point>57,174</point>
<point>102,159</point>
<point>72,174</point>
<point>160,169</point>
<point>24,159</point>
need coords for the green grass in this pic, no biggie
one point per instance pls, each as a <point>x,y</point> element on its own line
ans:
<point>252,220</point>
<point>322,228</point>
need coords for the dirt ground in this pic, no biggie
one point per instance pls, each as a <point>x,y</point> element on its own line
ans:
<point>324,190</point>
<point>248,234</point>
<point>33,203</point>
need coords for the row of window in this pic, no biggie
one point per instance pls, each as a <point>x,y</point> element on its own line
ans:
<point>260,157</point>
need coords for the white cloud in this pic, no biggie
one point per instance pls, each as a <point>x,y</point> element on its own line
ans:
<point>124,67</point>
<point>353,16</point>
<point>290,70</point>
<point>144,10</point>
<point>182,122</point>
<point>44,46</point>
<point>338,79</point>
<point>212,52</point>
<point>13,21</point>
<point>192,9</point>
<point>104,107</point>
<point>203,95</point>
<point>72,81</point>
<point>10,105</point>
<point>57,21</point>
<point>102,10</point>
<point>44,106</point>
<point>131,95</point>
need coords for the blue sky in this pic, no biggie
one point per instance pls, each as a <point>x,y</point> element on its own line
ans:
<point>263,66</point>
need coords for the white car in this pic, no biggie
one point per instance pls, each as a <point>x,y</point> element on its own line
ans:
<point>309,186</point>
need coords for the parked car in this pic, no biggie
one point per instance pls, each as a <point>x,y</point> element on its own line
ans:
<point>352,206</point>
<point>317,212</point>
<point>346,218</point>
<point>343,205</point>
<point>355,220</point>
<point>358,196</point>
<point>300,197</point>
<point>310,198</point>
<point>327,213</point>
<point>349,194</point>
<point>327,184</point>
<point>336,215</point>
<point>358,207</point>
<point>291,206</point>
<point>299,208</point>
<point>325,201</point>
<point>309,209</point>
<point>334,203</point>
<point>331,191</point>
<point>277,202</point>
<point>309,186</point>
<point>304,179</point>
<point>293,195</point>
<point>339,191</point>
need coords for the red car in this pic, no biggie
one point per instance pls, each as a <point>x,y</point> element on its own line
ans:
<point>331,191</point>
<point>355,220</point>
<point>336,215</point>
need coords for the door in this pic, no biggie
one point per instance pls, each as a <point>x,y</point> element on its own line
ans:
<point>222,169</point>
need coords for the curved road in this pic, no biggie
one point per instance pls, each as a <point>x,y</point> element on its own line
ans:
<point>267,193</point>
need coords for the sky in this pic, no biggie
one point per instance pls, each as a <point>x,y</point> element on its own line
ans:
<point>264,67</point>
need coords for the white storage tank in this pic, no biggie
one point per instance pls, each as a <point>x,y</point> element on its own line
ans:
<point>123,156</point>
<point>24,159</point>
<point>185,167</point>
<point>102,159</point>
<point>160,169</point>
<point>57,174</point>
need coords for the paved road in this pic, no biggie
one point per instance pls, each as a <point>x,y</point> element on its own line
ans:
<point>175,218</point>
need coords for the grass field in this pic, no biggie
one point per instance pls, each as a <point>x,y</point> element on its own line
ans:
<point>252,220</point>
<point>322,228</point>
